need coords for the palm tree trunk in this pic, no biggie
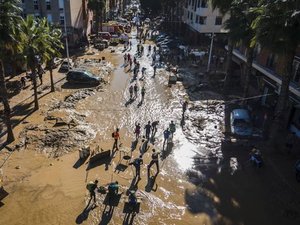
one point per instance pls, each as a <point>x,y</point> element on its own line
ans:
<point>101,19</point>
<point>228,65</point>
<point>97,24</point>
<point>283,97</point>
<point>84,17</point>
<point>7,111</point>
<point>51,79</point>
<point>36,101</point>
<point>249,62</point>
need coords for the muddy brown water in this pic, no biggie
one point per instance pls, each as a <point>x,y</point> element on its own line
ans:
<point>44,190</point>
<point>47,190</point>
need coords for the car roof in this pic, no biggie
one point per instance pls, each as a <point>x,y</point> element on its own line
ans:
<point>241,114</point>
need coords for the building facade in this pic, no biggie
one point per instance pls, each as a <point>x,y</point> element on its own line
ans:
<point>200,19</point>
<point>265,81</point>
<point>72,12</point>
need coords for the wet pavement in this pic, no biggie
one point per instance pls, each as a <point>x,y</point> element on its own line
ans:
<point>200,179</point>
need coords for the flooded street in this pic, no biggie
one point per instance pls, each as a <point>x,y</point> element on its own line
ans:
<point>46,181</point>
<point>53,192</point>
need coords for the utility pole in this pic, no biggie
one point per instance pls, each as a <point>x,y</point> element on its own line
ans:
<point>66,35</point>
<point>210,51</point>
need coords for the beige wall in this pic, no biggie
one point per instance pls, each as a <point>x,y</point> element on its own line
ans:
<point>76,13</point>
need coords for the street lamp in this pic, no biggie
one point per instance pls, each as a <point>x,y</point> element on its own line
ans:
<point>66,35</point>
<point>210,51</point>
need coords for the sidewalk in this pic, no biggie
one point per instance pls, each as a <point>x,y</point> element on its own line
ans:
<point>24,100</point>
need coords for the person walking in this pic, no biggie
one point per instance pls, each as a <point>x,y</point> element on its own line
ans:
<point>154,127</point>
<point>149,49</point>
<point>142,50</point>
<point>125,58</point>
<point>148,129</point>
<point>137,165</point>
<point>143,91</point>
<point>128,57</point>
<point>135,89</point>
<point>130,91</point>
<point>40,73</point>
<point>166,136</point>
<point>92,186</point>
<point>143,71</point>
<point>116,137</point>
<point>172,128</point>
<point>154,70</point>
<point>137,130</point>
<point>23,82</point>
<point>130,63</point>
<point>154,160</point>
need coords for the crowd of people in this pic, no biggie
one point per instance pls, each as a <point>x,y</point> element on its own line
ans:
<point>144,133</point>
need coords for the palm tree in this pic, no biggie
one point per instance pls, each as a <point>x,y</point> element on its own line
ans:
<point>54,51</point>
<point>225,7</point>
<point>278,29</point>
<point>37,45</point>
<point>97,6</point>
<point>9,30</point>
<point>241,31</point>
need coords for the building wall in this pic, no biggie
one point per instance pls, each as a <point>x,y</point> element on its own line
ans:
<point>199,15</point>
<point>55,14</point>
<point>76,14</point>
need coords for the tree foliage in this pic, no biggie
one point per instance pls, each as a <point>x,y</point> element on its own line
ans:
<point>97,6</point>
<point>9,33</point>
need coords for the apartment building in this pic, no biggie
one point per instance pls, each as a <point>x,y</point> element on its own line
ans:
<point>265,81</point>
<point>200,19</point>
<point>72,12</point>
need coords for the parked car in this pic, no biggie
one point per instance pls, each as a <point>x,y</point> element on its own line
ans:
<point>240,122</point>
<point>105,43</point>
<point>64,67</point>
<point>105,35</point>
<point>114,40</point>
<point>99,46</point>
<point>82,77</point>
<point>56,62</point>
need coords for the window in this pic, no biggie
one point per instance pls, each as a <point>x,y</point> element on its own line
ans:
<point>49,18</point>
<point>190,2</point>
<point>48,4</point>
<point>197,19</point>
<point>37,15</point>
<point>204,4</point>
<point>198,5</point>
<point>191,16</point>
<point>188,15</point>
<point>62,20</point>
<point>35,5</point>
<point>218,20</point>
<point>202,20</point>
<point>61,4</point>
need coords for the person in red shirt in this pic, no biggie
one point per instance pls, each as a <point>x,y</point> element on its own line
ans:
<point>116,137</point>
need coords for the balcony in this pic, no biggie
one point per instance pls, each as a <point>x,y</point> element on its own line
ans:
<point>294,88</point>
